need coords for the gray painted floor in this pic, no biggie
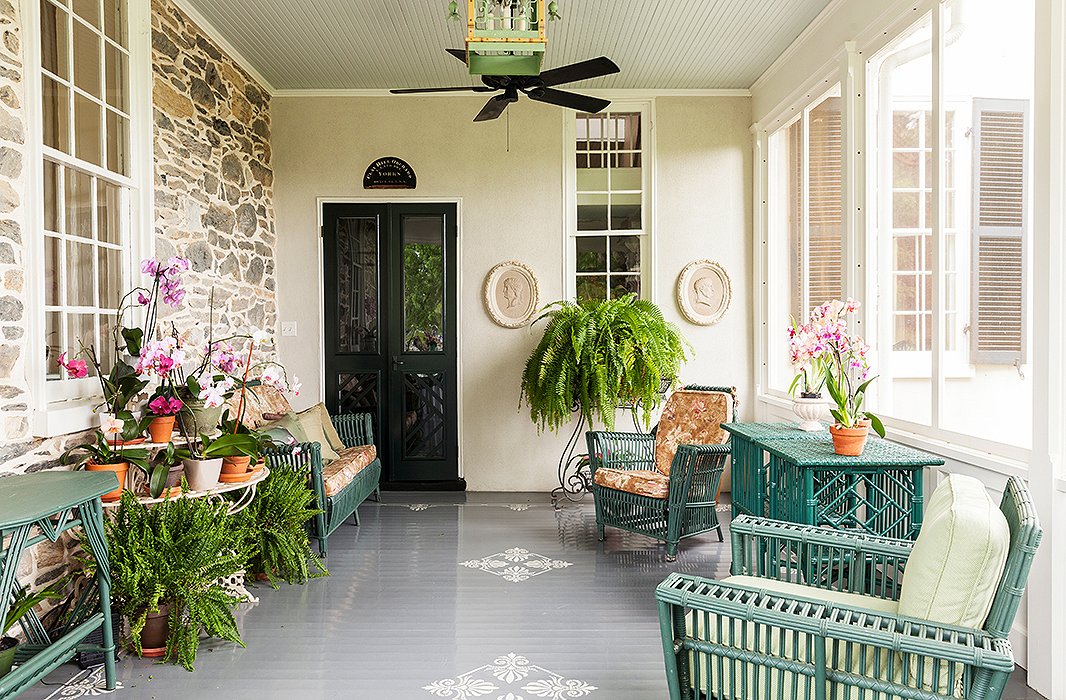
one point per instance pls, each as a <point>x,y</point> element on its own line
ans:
<point>425,594</point>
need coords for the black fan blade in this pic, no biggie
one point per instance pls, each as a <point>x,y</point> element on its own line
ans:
<point>582,103</point>
<point>592,68</point>
<point>493,108</point>
<point>458,53</point>
<point>415,91</point>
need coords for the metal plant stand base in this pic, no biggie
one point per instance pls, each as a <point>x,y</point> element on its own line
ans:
<point>575,476</point>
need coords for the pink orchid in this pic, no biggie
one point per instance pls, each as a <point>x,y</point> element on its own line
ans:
<point>164,406</point>
<point>76,369</point>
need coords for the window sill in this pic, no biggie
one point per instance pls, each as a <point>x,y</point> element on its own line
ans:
<point>1001,459</point>
<point>65,417</point>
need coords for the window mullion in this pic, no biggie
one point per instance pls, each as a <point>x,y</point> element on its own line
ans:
<point>937,254</point>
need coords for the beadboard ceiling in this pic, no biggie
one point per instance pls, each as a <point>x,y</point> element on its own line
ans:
<point>377,44</point>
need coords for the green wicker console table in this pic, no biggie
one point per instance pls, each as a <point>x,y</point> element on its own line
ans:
<point>879,492</point>
<point>749,461</point>
<point>36,507</point>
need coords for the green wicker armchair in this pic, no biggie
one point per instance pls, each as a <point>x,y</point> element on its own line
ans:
<point>661,485</point>
<point>756,635</point>
<point>355,430</point>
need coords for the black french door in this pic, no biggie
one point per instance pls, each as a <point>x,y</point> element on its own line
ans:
<point>389,272</point>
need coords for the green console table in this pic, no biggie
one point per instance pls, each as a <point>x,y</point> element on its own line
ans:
<point>36,507</point>
<point>805,481</point>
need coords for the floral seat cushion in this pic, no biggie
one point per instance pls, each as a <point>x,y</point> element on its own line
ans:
<point>340,472</point>
<point>642,482</point>
<point>691,417</point>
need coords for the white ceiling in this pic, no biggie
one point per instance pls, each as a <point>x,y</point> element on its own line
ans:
<point>375,44</point>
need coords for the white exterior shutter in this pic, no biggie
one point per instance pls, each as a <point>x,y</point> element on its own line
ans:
<point>1000,227</point>
<point>825,204</point>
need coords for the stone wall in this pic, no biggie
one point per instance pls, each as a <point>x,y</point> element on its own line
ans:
<point>213,204</point>
<point>213,182</point>
<point>212,185</point>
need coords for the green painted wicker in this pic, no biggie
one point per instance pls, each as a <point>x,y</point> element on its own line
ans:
<point>690,509</point>
<point>35,508</point>
<point>748,492</point>
<point>354,429</point>
<point>740,643</point>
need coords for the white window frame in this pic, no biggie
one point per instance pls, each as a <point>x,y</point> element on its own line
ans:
<point>646,108</point>
<point>849,67</point>
<point>70,408</point>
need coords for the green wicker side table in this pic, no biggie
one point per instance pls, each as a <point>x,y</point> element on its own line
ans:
<point>749,470</point>
<point>36,507</point>
<point>878,492</point>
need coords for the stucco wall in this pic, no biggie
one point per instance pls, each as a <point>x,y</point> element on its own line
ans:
<point>512,208</point>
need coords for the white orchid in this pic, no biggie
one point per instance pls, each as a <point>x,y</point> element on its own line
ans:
<point>296,385</point>
<point>261,338</point>
<point>110,425</point>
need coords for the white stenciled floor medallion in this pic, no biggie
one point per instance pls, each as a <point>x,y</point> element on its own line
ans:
<point>510,677</point>
<point>516,564</point>
<point>84,684</point>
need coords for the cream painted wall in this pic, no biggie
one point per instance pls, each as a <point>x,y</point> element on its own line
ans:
<point>512,208</point>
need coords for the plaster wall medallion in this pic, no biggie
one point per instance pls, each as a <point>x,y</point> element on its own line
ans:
<point>511,294</point>
<point>704,292</point>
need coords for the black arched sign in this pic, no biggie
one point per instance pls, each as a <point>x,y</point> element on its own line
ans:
<point>389,173</point>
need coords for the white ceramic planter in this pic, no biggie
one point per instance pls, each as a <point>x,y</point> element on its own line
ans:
<point>810,411</point>
<point>202,474</point>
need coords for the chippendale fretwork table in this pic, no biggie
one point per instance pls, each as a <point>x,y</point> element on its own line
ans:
<point>805,481</point>
<point>39,507</point>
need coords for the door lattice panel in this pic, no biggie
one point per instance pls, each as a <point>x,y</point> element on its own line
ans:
<point>357,393</point>
<point>424,417</point>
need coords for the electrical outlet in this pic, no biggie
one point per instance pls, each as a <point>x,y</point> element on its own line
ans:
<point>288,328</point>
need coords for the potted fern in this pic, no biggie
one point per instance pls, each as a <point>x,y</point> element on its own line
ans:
<point>597,355</point>
<point>165,561</point>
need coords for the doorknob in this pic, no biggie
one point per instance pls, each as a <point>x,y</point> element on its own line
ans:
<point>397,363</point>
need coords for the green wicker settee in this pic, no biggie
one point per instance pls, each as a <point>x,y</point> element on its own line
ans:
<point>921,620</point>
<point>337,452</point>
<point>665,485</point>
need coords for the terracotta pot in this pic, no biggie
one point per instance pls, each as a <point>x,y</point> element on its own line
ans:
<point>849,441</point>
<point>8,647</point>
<point>202,474</point>
<point>237,464</point>
<point>161,429</point>
<point>155,633</point>
<point>120,472</point>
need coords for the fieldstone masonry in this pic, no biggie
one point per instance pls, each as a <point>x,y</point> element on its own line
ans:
<point>213,188</point>
<point>213,182</point>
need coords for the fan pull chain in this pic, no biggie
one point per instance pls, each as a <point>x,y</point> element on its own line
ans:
<point>508,131</point>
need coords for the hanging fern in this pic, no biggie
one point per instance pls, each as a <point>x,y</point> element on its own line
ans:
<point>595,356</point>
<point>274,527</point>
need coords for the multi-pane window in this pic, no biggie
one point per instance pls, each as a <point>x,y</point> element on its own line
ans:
<point>87,191</point>
<point>950,170</point>
<point>805,218</point>
<point>610,234</point>
<point>912,230</point>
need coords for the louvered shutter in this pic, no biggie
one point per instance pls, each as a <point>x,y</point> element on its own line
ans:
<point>1000,226</point>
<point>825,204</point>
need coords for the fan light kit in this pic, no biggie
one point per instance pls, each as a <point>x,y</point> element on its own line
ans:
<point>505,45</point>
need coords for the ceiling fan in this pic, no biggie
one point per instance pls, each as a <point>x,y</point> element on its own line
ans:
<point>536,87</point>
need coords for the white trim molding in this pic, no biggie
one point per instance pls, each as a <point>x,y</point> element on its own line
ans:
<point>617,94</point>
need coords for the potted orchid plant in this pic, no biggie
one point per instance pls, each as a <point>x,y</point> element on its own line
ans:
<point>807,358</point>
<point>105,454</point>
<point>844,360</point>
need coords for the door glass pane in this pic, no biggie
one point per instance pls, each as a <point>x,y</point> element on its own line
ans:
<point>357,392</point>
<point>423,283</point>
<point>357,285</point>
<point>423,417</point>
